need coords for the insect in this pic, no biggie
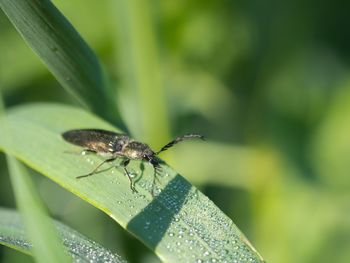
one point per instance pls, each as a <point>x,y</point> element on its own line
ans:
<point>112,145</point>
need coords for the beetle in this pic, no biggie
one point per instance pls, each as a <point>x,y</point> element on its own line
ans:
<point>112,145</point>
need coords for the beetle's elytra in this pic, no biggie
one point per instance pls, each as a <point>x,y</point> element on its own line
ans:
<point>114,145</point>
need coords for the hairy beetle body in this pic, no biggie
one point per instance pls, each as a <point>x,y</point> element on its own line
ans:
<point>116,145</point>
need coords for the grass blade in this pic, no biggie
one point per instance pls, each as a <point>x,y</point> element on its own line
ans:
<point>81,249</point>
<point>64,52</point>
<point>47,246</point>
<point>179,223</point>
<point>141,70</point>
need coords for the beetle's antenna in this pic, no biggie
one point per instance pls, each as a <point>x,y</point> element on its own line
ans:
<point>179,139</point>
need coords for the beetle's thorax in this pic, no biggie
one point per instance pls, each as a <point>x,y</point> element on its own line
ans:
<point>137,150</point>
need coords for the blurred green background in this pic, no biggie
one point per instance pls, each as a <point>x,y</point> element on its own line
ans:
<point>268,83</point>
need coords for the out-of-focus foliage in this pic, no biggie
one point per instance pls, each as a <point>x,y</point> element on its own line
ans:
<point>267,83</point>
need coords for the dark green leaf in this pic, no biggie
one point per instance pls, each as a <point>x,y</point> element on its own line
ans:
<point>64,52</point>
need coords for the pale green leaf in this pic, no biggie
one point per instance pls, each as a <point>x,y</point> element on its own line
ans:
<point>180,224</point>
<point>81,249</point>
<point>47,247</point>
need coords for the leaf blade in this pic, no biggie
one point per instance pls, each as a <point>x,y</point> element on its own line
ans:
<point>155,221</point>
<point>80,247</point>
<point>47,246</point>
<point>65,54</point>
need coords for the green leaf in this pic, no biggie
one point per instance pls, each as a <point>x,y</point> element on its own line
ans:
<point>12,234</point>
<point>64,52</point>
<point>179,223</point>
<point>46,245</point>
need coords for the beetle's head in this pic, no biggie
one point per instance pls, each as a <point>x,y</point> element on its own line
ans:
<point>150,156</point>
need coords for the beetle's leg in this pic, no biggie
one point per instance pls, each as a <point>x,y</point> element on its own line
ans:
<point>157,171</point>
<point>125,164</point>
<point>98,166</point>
